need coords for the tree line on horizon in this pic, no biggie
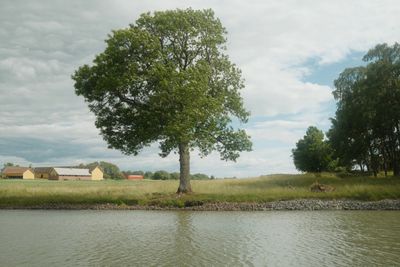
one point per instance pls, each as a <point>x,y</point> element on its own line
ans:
<point>365,132</point>
<point>165,175</point>
<point>112,171</point>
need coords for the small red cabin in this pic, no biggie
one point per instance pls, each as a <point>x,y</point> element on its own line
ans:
<point>134,177</point>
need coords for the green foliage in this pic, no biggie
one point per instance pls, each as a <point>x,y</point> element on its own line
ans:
<point>200,176</point>
<point>167,79</point>
<point>365,130</point>
<point>164,175</point>
<point>148,175</point>
<point>312,153</point>
<point>333,165</point>
<point>161,175</point>
<point>174,175</point>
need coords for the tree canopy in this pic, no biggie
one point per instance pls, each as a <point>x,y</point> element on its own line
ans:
<point>312,152</point>
<point>366,127</point>
<point>166,79</point>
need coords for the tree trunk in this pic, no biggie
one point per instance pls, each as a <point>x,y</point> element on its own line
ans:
<point>396,167</point>
<point>386,170</point>
<point>184,161</point>
<point>384,162</point>
<point>396,152</point>
<point>361,166</point>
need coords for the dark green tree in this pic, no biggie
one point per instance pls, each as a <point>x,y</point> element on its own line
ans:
<point>312,152</point>
<point>200,176</point>
<point>148,175</point>
<point>166,79</point>
<point>366,127</point>
<point>174,175</point>
<point>348,134</point>
<point>161,175</point>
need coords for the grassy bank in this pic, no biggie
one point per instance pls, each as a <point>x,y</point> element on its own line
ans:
<point>19,193</point>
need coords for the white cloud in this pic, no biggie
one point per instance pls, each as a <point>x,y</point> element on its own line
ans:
<point>28,69</point>
<point>270,40</point>
<point>283,131</point>
<point>281,91</point>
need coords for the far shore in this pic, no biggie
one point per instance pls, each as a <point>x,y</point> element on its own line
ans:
<point>293,205</point>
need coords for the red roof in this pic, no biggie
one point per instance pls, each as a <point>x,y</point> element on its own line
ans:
<point>134,177</point>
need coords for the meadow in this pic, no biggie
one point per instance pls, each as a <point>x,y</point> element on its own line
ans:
<point>31,193</point>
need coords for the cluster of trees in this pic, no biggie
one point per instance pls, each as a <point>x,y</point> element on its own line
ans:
<point>164,175</point>
<point>365,132</point>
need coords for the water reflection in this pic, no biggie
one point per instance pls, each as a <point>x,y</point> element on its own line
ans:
<point>143,238</point>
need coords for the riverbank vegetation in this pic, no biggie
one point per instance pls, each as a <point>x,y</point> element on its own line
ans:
<point>44,193</point>
<point>365,132</point>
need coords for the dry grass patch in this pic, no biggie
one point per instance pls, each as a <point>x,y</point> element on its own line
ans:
<point>149,192</point>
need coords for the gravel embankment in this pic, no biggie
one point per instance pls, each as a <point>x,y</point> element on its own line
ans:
<point>299,204</point>
<point>305,204</point>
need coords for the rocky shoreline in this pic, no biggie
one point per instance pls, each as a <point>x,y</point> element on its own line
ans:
<point>299,204</point>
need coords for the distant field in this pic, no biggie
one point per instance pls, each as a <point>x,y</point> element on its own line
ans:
<point>20,193</point>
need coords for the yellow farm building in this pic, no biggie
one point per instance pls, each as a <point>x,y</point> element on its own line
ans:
<point>18,173</point>
<point>96,173</point>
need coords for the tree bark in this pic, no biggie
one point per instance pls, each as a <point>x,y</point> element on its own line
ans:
<point>396,166</point>
<point>374,163</point>
<point>396,152</point>
<point>361,166</point>
<point>385,168</point>
<point>184,177</point>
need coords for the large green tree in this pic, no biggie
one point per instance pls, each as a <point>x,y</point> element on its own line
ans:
<point>366,128</point>
<point>167,79</point>
<point>312,152</point>
<point>348,134</point>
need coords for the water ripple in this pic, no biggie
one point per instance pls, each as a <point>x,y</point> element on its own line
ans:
<point>143,238</point>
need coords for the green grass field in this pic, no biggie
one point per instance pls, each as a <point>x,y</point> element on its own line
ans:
<point>25,193</point>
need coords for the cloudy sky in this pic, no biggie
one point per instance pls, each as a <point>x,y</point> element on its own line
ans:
<point>289,51</point>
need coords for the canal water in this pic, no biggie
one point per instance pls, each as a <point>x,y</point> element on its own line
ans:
<point>182,238</point>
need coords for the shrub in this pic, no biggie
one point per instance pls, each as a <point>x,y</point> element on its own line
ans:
<point>148,175</point>
<point>161,175</point>
<point>200,176</point>
<point>174,176</point>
